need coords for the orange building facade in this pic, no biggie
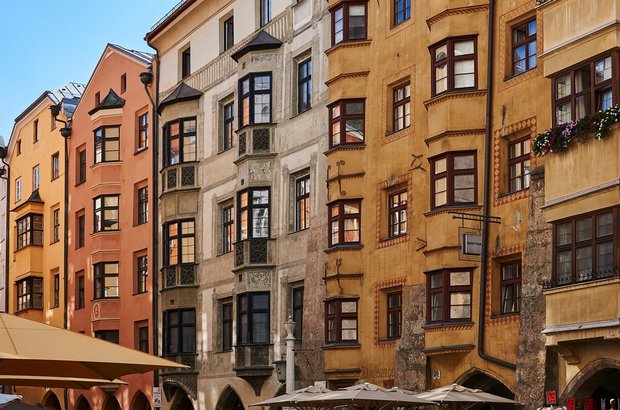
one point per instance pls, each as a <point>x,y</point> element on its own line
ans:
<point>109,239</point>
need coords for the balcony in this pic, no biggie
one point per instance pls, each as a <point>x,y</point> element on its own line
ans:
<point>253,363</point>
<point>186,359</point>
<point>253,252</point>
<point>179,176</point>
<point>255,141</point>
<point>179,275</point>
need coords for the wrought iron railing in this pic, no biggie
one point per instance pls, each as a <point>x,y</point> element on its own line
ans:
<point>579,279</point>
<point>179,275</point>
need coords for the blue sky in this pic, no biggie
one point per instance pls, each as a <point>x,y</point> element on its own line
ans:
<point>45,44</point>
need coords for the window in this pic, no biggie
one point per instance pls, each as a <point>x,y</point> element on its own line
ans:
<point>524,47</point>
<point>253,318</point>
<point>29,231</point>
<point>186,67</point>
<point>397,209</point>
<point>81,166</point>
<point>341,321</point>
<point>302,203</point>
<point>179,234</point>
<point>346,122</point>
<point>36,177</point>
<point>265,12</point>
<point>228,112</point>
<point>35,131</point>
<point>344,222</point>
<point>107,144</point>
<point>142,273</point>
<point>229,33</point>
<point>106,213</point>
<point>106,280</point>
<point>80,290</point>
<point>298,310</point>
<point>583,91</point>
<point>142,337</point>
<point>56,291</point>
<point>143,131</point>
<point>519,164</point>
<point>108,335</point>
<point>586,247</point>
<point>402,11</point>
<point>30,293</point>
<point>228,229</point>
<point>97,98</point>
<point>401,109</point>
<point>255,101</point>
<point>349,22</point>
<point>180,141</point>
<point>454,65</point>
<point>123,83</point>
<point>56,225</point>
<point>449,295</point>
<point>18,189</point>
<point>304,85</point>
<point>55,166</point>
<point>180,332</point>
<point>227,326</point>
<point>19,147</point>
<point>81,229</point>
<point>394,314</point>
<point>453,179</point>
<point>143,205</point>
<point>511,287</point>
<point>253,214</point>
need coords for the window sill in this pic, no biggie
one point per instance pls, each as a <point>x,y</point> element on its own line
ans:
<point>105,163</point>
<point>110,232</point>
<point>140,293</point>
<point>24,310</point>
<point>223,151</point>
<point>230,252</point>
<point>389,339</point>
<point>506,194</point>
<point>178,164</point>
<point>449,208</point>
<point>436,325</point>
<point>299,231</point>
<point>140,150</point>
<point>344,247</point>
<point>79,183</point>
<point>260,124</point>
<point>299,113</point>
<point>348,44</point>
<point>345,147</point>
<point>454,94</point>
<point>342,346</point>
<point>511,76</point>
<point>112,299</point>
<point>505,315</point>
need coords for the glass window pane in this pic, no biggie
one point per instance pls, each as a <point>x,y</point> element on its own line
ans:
<point>584,229</point>
<point>463,47</point>
<point>562,86</point>
<point>441,52</point>
<point>436,280</point>
<point>584,262</point>
<point>348,307</point>
<point>459,279</point>
<point>440,166</point>
<point>464,162</point>
<point>602,69</point>
<point>604,224</point>
<point>605,257</point>
<point>564,262</point>
<point>564,235</point>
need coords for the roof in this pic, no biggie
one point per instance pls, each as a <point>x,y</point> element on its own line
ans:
<point>182,93</point>
<point>112,100</point>
<point>34,198</point>
<point>142,56</point>
<point>70,92</point>
<point>168,18</point>
<point>262,41</point>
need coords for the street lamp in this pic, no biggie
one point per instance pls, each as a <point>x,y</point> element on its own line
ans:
<point>290,355</point>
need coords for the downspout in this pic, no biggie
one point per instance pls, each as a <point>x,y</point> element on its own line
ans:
<point>487,194</point>
<point>65,262</point>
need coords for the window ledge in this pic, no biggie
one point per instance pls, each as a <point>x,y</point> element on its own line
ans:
<point>299,113</point>
<point>104,233</point>
<point>223,151</point>
<point>348,44</point>
<point>24,310</point>
<point>28,246</point>
<point>452,208</point>
<point>450,95</point>
<point>111,299</point>
<point>507,194</point>
<point>105,164</point>
<point>299,231</point>
<point>447,325</point>
<point>395,240</point>
<point>343,247</point>
<point>140,150</point>
<point>342,346</point>
<point>344,147</point>
<point>180,164</point>
<point>260,124</point>
<point>80,183</point>
<point>504,315</point>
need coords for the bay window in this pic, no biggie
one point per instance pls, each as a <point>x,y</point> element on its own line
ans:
<point>179,332</point>
<point>454,65</point>
<point>106,213</point>
<point>453,179</point>
<point>349,22</point>
<point>346,122</point>
<point>179,243</point>
<point>180,141</point>
<point>253,213</point>
<point>29,230</point>
<point>341,321</point>
<point>344,222</point>
<point>253,318</point>
<point>107,144</point>
<point>448,295</point>
<point>30,293</point>
<point>106,280</point>
<point>255,99</point>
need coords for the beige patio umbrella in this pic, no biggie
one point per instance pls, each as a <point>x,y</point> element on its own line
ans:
<point>29,348</point>
<point>455,393</point>
<point>295,399</point>
<point>64,382</point>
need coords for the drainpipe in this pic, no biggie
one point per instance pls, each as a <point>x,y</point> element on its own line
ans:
<point>487,194</point>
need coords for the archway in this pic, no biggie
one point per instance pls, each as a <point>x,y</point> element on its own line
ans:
<point>596,381</point>
<point>477,379</point>
<point>111,403</point>
<point>181,401</point>
<point>229,400</point>
<point>51,402</point>
<point>82,404</point>
<point>140,402</point>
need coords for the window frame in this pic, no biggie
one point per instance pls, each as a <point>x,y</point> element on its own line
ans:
<point>250,97</point>
<point>80,284</point>
<point>18,189</point>
<point>446,290</point>
<point>228,228</point>
<point>227,326</point>
<point>514,45</point>
<point>228,29</point>
<point>249,337</point>
<point>264,12</point>
<point>181,325</point>
<point>520,161</point>
<point>81,229</point>
<point>399,209</point>
<point>404,122</point>
<point>346,35</point>
<point>123,83</point>
<point>181,136</point>
<point>342,119</point>
<point>100,289</point>
<point>81,171</point>
<point>303,203</point>
<point>56,291</point>
<point>449,175</point>
<point>36,177</point>
<point>337,317</point>
<point>398,311</point>
<point>56,225</point>
<point>143,132</point>
<point>297,311</point>
<point>450,61</point>
<point>29,295</point>
<point>101,142</point>
<point>515,284</point>
<point>142,338</point>
<point>341,218</point>
<point>142,194</point>
<point>406,12</point>
<point>109,335</point>
<point>35,131</point>
<point>186,63</point>
<point>179,238</point>
<point>248,209</point>
<point>142,273</point>
<point>99,212</point>
<point>55,166</point>
<point>228,125</point>
<point>304,85</point>
<point>27,228</point>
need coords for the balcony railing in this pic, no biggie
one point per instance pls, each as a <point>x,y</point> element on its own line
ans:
<point>255,140</point>
<point>253,359</point>
<point>584,278</point>
<point>186,359</point>
<point>254,252</point>
<point>179,176</point>
<point>179,275</point>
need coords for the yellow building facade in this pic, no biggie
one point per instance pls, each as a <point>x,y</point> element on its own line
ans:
<point>35,283</point>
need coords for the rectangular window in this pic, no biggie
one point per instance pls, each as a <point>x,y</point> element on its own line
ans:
<point>584,90</point>
<point>106,213</point>
<point>108,335</point>
<point>123,83</point>
<point>56,291</point>
<point>394,314</point>
<point>18,189</point>
<point>19,147</point>
<point>449,295</point>
<point>453,179</point>
<point>255,99</point>
<point>81,230</point>
<point>107,144</point>
<point>179,332</point>
<point>143,205</point>
<point>186,63</point>
<point>304,85</point>
<point>265,12</point>
<point>344,222</point>
<point>586,248</point>
<point>253,214</point>
<point>341,321</point>
<point>36,177</point>
<point>228,112</point>
<point>454,65</point>
<point>55,166</point>
<point>402,11</point>
<point>29,231</point>
<point>30,293</point>
<point>253,318</point>
<point>346,122</point>
<point>56,226</point>
<point>180,141</point>
<point>227,326</point>
<point>228,229</point>
<point>179,243</point>
<point>80,296</point>
<point>82,166</point>
<point>349,22</point>
<point>397,209</point>
<point>401,108</point>
<point>97,98</point>
<point>142,337</point>
<point>229,33</point>
<point>524,47</point>
<point>35,131</point>
<point>106,280</point>
<point>142,273</point>
<point>302,203</point>
<point>143,131</point>
<point>298,311</point>
<point>511,287</point>
<point>519,164</point>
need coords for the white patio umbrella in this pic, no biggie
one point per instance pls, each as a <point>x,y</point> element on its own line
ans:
<point>455,393</point>
<point>295,399</point>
